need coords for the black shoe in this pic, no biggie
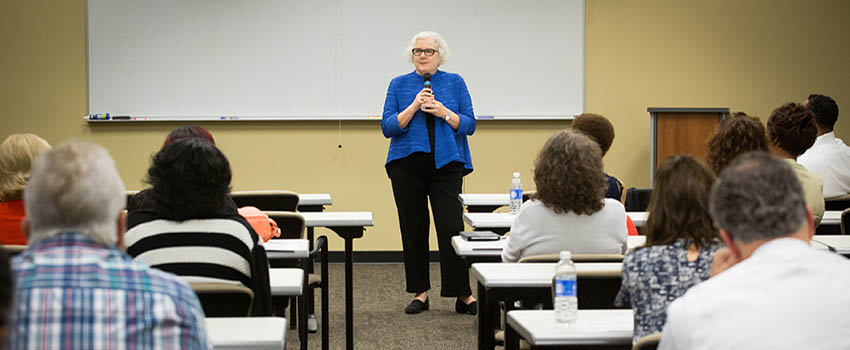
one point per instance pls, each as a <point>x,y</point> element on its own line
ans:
<point>416,306</point>
<point>462,308</point>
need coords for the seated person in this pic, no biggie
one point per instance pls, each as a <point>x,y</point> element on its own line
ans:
<point>569,210</point>
<point>74,288</point>
<point>602,131</point>
<point>769,289</point>
<point>680,244</point>
<point>17,153</point>
<point>829,157</point>
<point>188,225</point>
<point>735,135</point>
<point>791,130</point>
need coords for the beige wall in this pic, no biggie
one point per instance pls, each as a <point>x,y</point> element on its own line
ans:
<point>746,55</point>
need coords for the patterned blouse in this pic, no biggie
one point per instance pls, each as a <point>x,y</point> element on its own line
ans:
<point>655,276</point>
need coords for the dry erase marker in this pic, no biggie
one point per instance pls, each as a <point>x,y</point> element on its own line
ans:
<point>121,117</point>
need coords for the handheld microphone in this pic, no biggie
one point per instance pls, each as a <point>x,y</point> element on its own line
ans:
<point>427,77</point>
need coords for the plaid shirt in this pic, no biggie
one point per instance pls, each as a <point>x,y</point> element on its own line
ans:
<point>73,293</point>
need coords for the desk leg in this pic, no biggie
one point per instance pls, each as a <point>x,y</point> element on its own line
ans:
<point>302,314</point>
<point>349,294</point>
<point>511,338</point>
<point>485,324</point>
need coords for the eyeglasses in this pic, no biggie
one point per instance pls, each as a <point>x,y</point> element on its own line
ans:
<point>427,52</point>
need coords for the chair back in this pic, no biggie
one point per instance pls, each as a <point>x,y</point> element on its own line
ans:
<point>267,200</point>
<point>291,224</point>
<point>637,199</point>
<point>13,249</point>
<point>648,342</point>
<point>224,299</point>
<point>845,221</point>
<point>837,203</point>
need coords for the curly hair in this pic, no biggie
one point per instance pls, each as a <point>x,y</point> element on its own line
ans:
<point>825,110</point>
<point>678,207</point>
<point>735,135</point>
<point>597,127</point>
<point>190,179</point>
<point>17,154</point>
<point>568,174</point>
<point>791,127</point>
<point>189,131</point>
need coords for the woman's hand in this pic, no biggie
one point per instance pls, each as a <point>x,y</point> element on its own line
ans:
<point>423,97</point>
<point>434,107</point>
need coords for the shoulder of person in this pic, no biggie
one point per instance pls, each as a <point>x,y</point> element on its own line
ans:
<point>614,206</point>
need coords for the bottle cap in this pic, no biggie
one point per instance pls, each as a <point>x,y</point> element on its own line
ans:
<point>566,255</point>
<point>516,174</point>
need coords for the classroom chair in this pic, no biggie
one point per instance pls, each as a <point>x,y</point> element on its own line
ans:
<point>278,200</point>
<point>837,203</point>
<point>637,199</point>
<point>224,299</point>
<point>649,342</point>
<point>845,221</point>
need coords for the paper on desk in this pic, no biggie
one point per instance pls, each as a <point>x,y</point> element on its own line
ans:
<point>605,324</point>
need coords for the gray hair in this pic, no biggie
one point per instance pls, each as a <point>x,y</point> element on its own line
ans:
<point>74,188</point>
<point>757,197</point>
<point>442,47</point>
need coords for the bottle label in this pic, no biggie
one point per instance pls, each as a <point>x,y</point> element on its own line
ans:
<point>516,194</point>
<point>565,288</point>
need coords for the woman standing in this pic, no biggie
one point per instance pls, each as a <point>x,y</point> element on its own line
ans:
<point>428,115</point>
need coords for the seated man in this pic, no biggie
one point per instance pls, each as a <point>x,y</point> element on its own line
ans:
<point>770,289</point>
<point>829,157</point>
<point>74,287</point>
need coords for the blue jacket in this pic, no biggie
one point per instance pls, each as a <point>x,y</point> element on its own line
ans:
<point>450,144</point>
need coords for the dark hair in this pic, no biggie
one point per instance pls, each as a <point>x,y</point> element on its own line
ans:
<point>825,110</point>
<point>733,136</point>
<point>678,207</point>
<point>758,197</point>
<point>189,131</point>
<point>190,179</point>
<point>791,127</point>
<point>568,174</point>
<point>597,127</point>
<point>7,289</point>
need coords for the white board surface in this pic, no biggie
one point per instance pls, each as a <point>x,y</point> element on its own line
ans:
<point>332,59</point>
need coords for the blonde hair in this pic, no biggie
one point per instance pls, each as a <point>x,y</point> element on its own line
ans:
<point>17,154</point>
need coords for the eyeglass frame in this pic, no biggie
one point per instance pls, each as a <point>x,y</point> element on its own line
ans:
<point>424,51</point>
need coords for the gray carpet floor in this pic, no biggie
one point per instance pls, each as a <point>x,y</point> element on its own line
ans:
<point>379,318</point>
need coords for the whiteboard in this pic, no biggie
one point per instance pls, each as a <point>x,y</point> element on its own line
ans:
<point>333,59</point>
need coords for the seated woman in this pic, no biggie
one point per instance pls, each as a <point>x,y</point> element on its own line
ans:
<point>680,244</point>
<point>601,130</point>
<point>187,224</point>
<point>791,130</point>
<point>569,210</point>
<point>17,153</point>
<point>735,135</point>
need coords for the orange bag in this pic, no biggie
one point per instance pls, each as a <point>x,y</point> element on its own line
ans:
<point>265,227</point>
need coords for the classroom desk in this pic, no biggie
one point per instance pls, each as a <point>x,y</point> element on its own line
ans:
<point>286,249</point>
<point>508,282</point>
<point>501,222</point>
<point>491,251</point>
<point>837,244</point>
<point>593,327</point>
<point>831,217</point>
<point>313,201</point>
<point>290,282</point>
<point>349,226</point>
<point>484,202</point>
<point>259,333</point>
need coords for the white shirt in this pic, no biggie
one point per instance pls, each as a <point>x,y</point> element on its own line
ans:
<point>829,157</point>
<point>787,295</point>
<point>539,230</point>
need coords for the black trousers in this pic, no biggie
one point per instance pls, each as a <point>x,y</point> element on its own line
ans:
<point>415,180</point>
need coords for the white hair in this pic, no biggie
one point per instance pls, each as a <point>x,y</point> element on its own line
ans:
<point>75,188</point>
<point>442,47</point>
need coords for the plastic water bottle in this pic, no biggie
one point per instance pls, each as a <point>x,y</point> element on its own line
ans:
<point>516,193</point>
<point>565,291</point>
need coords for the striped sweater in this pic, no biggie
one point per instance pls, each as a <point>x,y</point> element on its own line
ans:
<point>225,250</point>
